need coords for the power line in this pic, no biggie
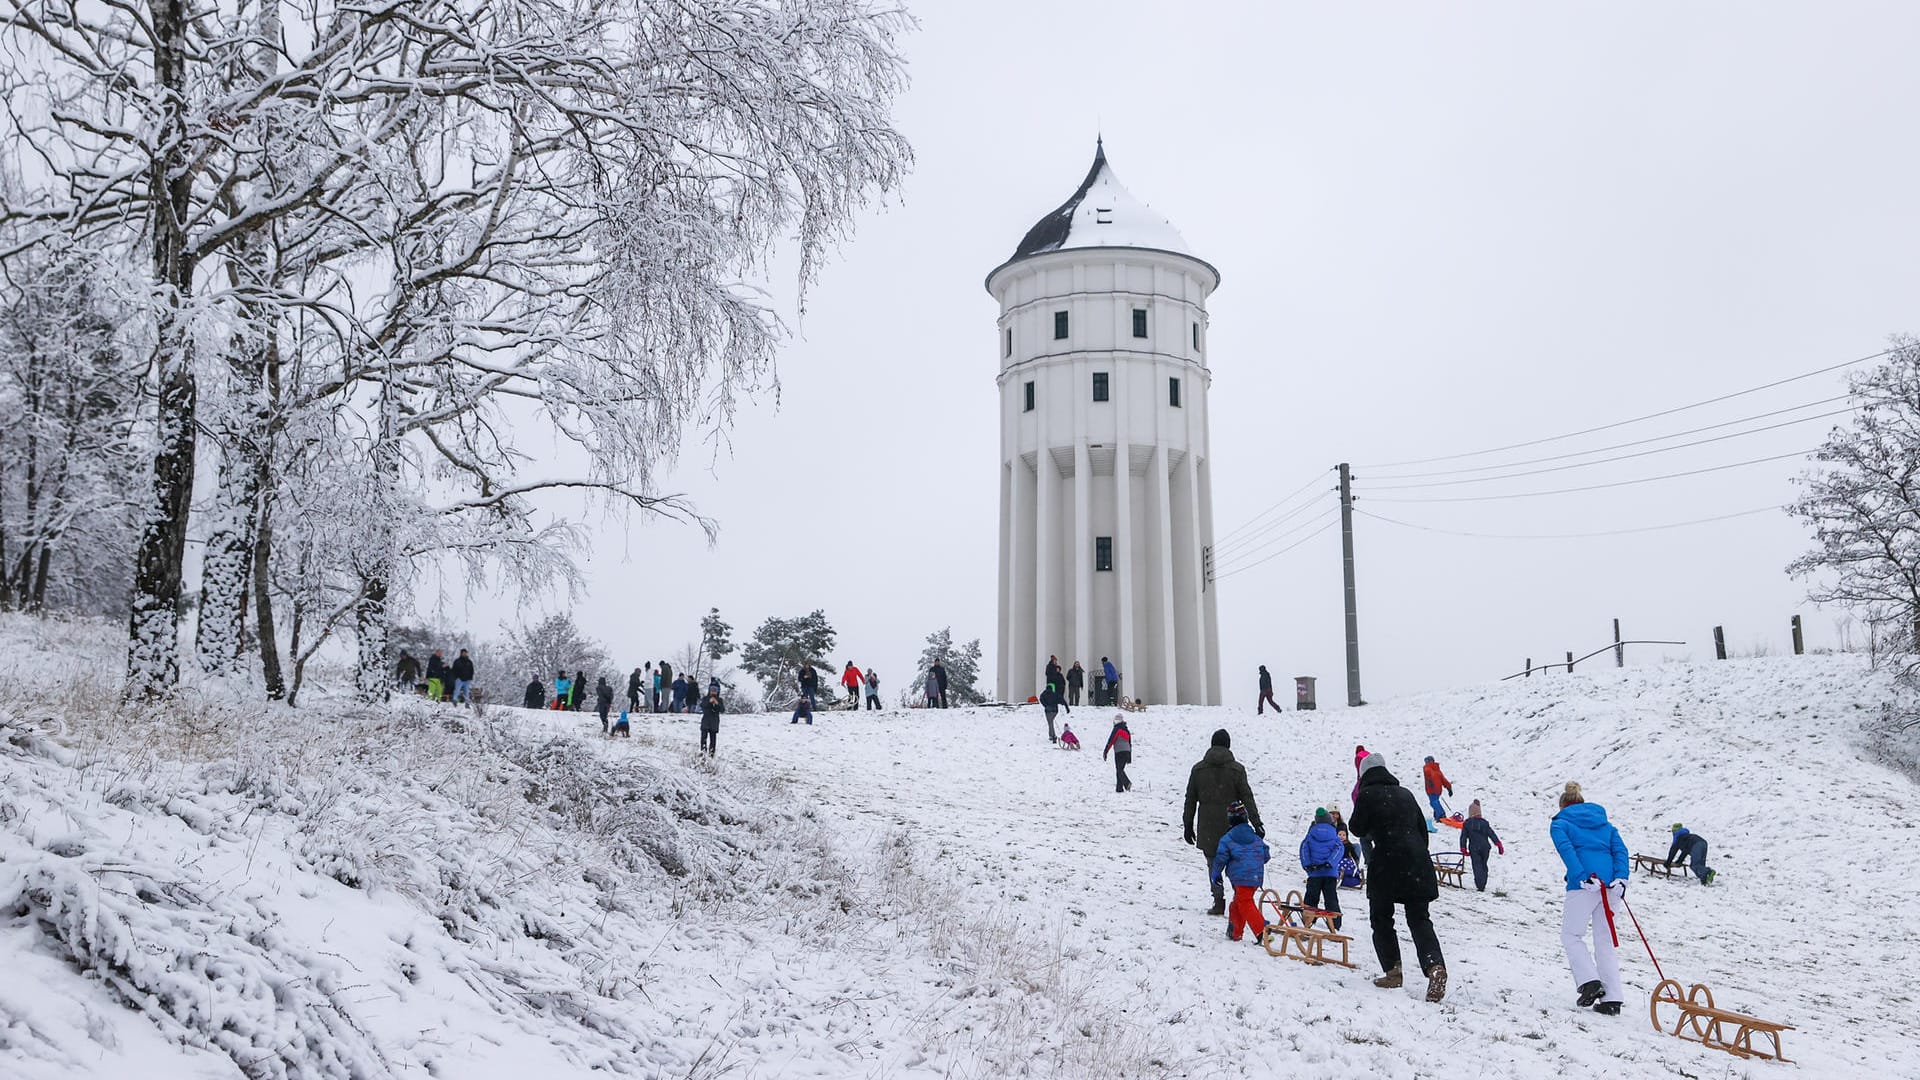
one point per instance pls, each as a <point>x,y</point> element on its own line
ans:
<point>1287,498</point>
<point>1277,554</point>
<point>1241,555</point>
<point>1624,445</point>
<point>1608,461</point>
<point>1636,419</point>
<point>1239,544</point>
<point>1566,536</point>
<point>1598,487</point>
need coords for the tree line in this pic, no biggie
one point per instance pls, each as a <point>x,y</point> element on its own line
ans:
<point>306,285</point>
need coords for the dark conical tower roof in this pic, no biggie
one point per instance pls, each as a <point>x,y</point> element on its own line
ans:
<point>1101,213</point>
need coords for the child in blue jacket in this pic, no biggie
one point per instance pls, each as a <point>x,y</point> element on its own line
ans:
<point>1596,862</point>
<point>1243,856</point>
<point>1320,855</point>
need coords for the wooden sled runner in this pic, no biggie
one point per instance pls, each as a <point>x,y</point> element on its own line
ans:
<point>1655,865</point>
<point>1698,1021</point>
<point>1291,930</point>
<point>1450,868</point>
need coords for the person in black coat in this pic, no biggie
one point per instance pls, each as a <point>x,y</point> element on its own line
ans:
<point>577,693</point>
<point>1076,681</point>
<point>1399,872</point>
<point>710,709</point>
<point>1217,782</point>
<point>634,691</point>
<point>1050,702</point>
<point>536,697</point>
<point>1266,693</point>
<point>809,687</point>
<point>940,678</point>
<point>603,703</point>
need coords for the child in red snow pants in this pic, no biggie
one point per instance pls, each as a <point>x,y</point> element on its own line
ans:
<point>1244,913</point>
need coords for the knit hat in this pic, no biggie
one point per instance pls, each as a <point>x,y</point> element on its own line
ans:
<point>1429,759</point>
<point>1473,808</point>
<point>1676,827</point>
<point>1221,738</point>
<point>1320,814</point>
<point>1236,812</point>
<point>1372,762</point>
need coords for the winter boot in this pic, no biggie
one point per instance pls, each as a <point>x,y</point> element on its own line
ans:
<point>1231,936</point>
<point>1711,874</point>
<point>1590,992</point>
<point>1437,982</point>
<point>1391,980</point>
<point>1608,1008</point>
<point>1219,906</point>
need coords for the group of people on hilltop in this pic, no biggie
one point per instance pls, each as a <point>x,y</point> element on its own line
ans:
<point>1221,819</point>
<point>437,679</point>
<point>1064,685</point>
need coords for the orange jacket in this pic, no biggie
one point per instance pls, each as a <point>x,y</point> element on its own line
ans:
<point>1437,779</point>
<point>850,678</point>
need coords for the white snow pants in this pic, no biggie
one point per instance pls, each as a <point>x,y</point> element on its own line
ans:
<point>1583,911</point>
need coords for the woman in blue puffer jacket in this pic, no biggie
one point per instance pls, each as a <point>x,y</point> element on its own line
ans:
<point>1596,862</point>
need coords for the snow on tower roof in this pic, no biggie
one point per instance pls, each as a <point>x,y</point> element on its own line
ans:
<point>1101,213</point>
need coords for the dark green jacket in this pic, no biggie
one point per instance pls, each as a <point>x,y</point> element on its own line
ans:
<point>1216,782</point>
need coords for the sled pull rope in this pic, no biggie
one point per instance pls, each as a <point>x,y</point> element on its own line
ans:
<point>1643,939</point>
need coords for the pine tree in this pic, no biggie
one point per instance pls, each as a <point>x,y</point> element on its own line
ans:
<point>962,663</point>
<point>778,649</point>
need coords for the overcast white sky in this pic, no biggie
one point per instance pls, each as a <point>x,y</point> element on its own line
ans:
<point>1440,228</point>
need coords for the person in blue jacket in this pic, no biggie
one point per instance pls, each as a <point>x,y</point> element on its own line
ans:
<point>1243,856</point>
<point>1320,855</point>
<point>1596,862</point>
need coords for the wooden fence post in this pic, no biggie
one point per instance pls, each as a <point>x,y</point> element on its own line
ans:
<point>1798,646</point>
<point>1529,671</point>
<point>1719,644</point>
<point>1569,661</point>
<point>1619,650</point>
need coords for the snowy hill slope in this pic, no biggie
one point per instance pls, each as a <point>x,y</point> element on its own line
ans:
<point>235,891</point>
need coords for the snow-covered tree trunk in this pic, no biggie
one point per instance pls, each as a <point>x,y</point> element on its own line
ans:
<point>153,647</point>
<point>226,570</point>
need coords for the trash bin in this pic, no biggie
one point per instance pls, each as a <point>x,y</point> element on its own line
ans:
<point>1303,692</point>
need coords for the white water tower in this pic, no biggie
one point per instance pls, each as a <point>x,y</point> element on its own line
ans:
<point>1106,493</point>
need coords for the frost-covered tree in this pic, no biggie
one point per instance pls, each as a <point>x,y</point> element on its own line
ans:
<point>553,644</point>
<point>716,642</point>
<point>1862,503</point>
<point>962,663</point>
<point>469,219</point>
<point>71,452</point>
<point>780,646</point>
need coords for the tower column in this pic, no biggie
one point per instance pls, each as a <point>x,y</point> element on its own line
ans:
<point>1123,552</point>
<point>1082,554</point>
<point>1162,571</point>
<point>1003,645</point>
<point>1045,521</point>
<point>1191,625</point>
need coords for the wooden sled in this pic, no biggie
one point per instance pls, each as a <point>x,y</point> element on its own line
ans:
<point>1655,865</point>
<point>1291,930</point>
<point>1450,868</point>
<point>1698,1021</point>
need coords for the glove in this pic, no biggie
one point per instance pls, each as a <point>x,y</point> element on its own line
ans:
<point>1190,839</point>
<point>1449,791</point>
<point>1260,831</point>
<point>1463,849</point>
<point>1592,884</point>
<point>1501,848</point>
<point>1619,889</point>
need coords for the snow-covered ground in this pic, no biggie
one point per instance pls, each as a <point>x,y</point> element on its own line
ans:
<point>231,891</point>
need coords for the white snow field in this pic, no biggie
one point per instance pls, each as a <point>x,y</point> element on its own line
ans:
<point>235,891</point>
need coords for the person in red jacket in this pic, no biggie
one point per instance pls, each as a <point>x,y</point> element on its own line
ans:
<point>851,680</point>
<point>1436,780</point>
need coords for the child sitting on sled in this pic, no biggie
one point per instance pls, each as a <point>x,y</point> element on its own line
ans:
<point>1068,740</point>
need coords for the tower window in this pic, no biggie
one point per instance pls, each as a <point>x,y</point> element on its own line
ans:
<point>1006,342</point>
<point>1139,322</point>
<point>1173,393</point>
<point>1059,326</point>
<point>1196,336</point>
<point>1103,553</point>
<point>1029,395</point>
<point>1099,386</point>
<point>1103,215</point>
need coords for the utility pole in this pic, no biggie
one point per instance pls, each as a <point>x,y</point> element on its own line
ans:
<point>1346,565</point>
